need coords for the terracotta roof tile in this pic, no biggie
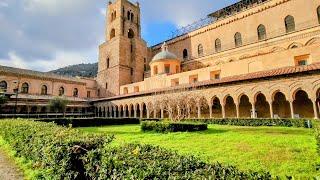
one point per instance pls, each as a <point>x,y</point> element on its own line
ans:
<point>18,71</point>
<point>243,77</point>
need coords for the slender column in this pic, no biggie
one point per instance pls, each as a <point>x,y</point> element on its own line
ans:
<point>199,110</point>
<point>210,110</point>
<point>253,110</point>
<point>271,110</point>
<point>237,110</point>
<point>129,112</point>
<point>141,112</point>
<point>110,112</point>
<point>114,113</point>
<point>223,110</point>
<point>135,112</point>
<point>125,112</point>
<point>148,113</point>
<point>155,113</point>
<point>162,113</point>
<point>315,110</point>
<point>291,109</point>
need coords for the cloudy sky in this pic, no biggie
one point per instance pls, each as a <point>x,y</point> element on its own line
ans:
<point>47,34</point>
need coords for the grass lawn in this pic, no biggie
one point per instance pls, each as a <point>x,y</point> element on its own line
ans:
<point>279,150</point>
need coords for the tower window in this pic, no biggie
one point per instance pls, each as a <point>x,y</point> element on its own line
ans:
<point>108,62</point>
<point>145,67</point>
<point>132,17</point>
<point>125,90</point>
<point>3,86</point>
<point>318,13</point>
<point>75,92</point>
<point>25,88</point>
<point>167,68</point>
<point>238,39</point>
<point>185,54</point>
<point>130,33</point>
<point>112,33</point>
<point>262,32</point>
<point>61,91</point>
<point>128,15</point>
<point>131,71</point>
<point>106,85</point>
<point>88,94</point>
<point>217,45</point>
<point>290,24</point>
<point>44,90</point>
<point>155,70</point>
<point>200,50</point>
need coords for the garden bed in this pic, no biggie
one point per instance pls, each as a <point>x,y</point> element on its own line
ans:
<point>64,153</point>
<point>165,126</point>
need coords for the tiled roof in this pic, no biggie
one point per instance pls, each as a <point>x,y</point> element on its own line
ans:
<point>231,79</point>
<point>26,72</point>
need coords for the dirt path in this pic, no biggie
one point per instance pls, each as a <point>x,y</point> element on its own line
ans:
<point>8,170</point>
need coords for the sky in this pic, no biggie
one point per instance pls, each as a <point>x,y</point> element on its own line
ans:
<point>44,35</point>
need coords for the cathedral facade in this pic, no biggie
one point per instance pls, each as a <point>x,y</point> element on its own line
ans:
<point>255,58</point>
<point>252,59</point>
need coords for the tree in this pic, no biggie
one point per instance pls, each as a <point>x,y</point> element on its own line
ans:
<point>58,104</point>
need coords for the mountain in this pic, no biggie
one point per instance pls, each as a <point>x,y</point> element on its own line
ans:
<point>82,70</point>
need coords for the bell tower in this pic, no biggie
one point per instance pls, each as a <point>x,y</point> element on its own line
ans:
<point>122,55</point>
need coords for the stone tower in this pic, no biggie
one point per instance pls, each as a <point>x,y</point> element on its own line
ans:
<point>123,54</point>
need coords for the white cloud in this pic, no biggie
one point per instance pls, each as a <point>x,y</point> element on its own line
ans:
<point>61,59</point>
<point>4,4</point>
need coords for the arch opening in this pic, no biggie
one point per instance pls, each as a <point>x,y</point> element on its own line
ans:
<point>230,107</point>
<point>185,54</point>
<point>262,106</point>
<point>3,86</point>
<point>280,105</point>
<point>262,35</point>
<point>238,39</point>
<point>289,24</point>
<point>302,105</point>
<point>245,107</point>
<point>216,108</point>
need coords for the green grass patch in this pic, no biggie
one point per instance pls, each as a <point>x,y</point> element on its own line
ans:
<point>280,150</point>
<point>24,165</point>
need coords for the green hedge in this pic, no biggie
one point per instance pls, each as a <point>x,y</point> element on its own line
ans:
<point>255,122</point>
<point>65,153</point>
<point>148,162</point>
<point>172,126</point>
<point>62,153</point>
<point>91,122</point>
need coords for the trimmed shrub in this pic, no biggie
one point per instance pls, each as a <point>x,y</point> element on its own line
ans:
<point>256,122</point>
<point>148,162</point>
<point>172,126</point>
<point>62,153</point>
<point>91,122</point>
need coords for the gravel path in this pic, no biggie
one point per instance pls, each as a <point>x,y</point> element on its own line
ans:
<point>8,170</point>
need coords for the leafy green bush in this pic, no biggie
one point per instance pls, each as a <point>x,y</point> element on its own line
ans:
<point>91,122</point>
<point>148,162</point>
<point>62,153</point>
<point>255,122</point>
<point>166,126</point>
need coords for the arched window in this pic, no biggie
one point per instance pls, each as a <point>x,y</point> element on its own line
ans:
<point>290,24</point>
<point>61,91</point>
<point>128,15</point>
<point>318,13</point>
<point>44,90</point>
<point>75,92</point>
<point>130,34</point>
<point>112,33</point>
<point>108,62</point>
<point>3,86</point>
<point>132,17</point>
<point>25,88</point>
<point>185,54</point>
<point>262,32</point>
<point>200,50</point>
<point>217,45</point>
<point>115,15</point>
<point>238,39</point>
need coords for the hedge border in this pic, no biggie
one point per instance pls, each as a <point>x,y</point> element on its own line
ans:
<point>165,126</point>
